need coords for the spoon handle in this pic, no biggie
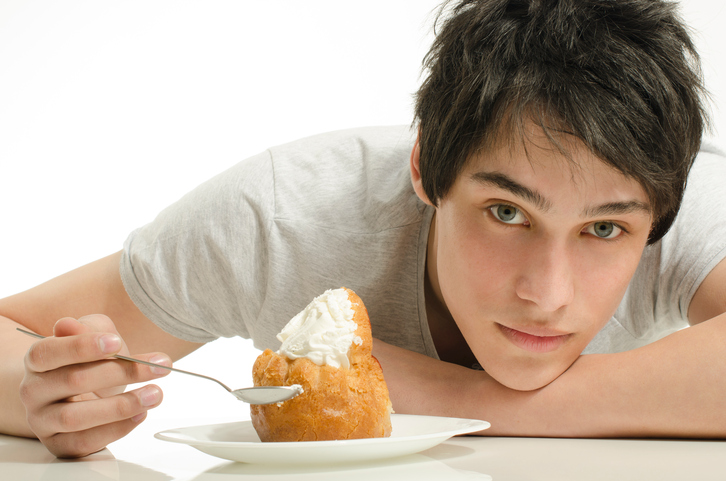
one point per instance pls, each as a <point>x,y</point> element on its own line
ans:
<point>126,358</point>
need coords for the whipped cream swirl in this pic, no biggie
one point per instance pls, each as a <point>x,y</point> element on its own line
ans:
<point>323,332</point>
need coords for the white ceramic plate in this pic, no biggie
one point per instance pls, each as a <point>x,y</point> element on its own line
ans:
<point>239,441</point>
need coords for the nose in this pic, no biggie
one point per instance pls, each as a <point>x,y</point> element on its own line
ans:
<point>546,277</point>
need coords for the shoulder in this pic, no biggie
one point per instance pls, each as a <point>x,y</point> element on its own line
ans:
<point>696,243</point>
<point>350,141</point>
<point>704,202</point>
<point>344,156</point>
<point>705,211</point>
<point>697,238</point>
<point>708,169</point>
<point>355,179</point>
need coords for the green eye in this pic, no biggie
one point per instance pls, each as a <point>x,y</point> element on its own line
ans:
<point>508,214</point>
<point>604,230</point>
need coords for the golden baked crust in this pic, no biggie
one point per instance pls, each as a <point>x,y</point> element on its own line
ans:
<point>338,403</point>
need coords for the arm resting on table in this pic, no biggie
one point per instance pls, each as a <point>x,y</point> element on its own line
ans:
<point>674,387</point>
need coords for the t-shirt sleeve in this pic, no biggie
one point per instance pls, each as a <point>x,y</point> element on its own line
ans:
<point>697,242</point>
<point>199,269</point>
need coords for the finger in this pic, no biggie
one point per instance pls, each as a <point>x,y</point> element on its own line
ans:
<point>68,417</point>
<point>65,382</point>
<point>95,377</point>
<point>54,352</point>
<point>83,443</point>
<point>140,371</point>
<point>87,324</point>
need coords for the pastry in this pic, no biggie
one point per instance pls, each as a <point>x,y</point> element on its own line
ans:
<point>326,349</point>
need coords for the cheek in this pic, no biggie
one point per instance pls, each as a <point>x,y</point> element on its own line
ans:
<point>473,266</point>
<point>604,276</point>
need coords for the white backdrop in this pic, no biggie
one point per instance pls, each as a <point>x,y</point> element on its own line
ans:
<point>111,110</point>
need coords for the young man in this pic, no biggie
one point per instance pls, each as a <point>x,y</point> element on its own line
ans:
<point>531,217</point>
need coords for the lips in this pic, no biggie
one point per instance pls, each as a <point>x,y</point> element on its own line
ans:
<point>539,340</point>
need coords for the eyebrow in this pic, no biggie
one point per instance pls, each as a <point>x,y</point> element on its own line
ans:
<point>497,179</point>
<point>617,208</point>
<point>503,181</point>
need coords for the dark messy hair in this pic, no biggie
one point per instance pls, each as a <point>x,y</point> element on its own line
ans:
<point>621,75</point>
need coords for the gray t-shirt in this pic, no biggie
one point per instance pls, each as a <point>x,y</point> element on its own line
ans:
<point>245,251</point>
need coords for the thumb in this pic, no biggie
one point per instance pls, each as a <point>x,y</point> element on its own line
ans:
<point>68,326</point>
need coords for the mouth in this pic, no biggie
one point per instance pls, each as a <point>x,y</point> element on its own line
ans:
<point>534,340</point>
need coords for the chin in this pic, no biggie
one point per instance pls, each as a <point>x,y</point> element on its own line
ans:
<point>529,378</point>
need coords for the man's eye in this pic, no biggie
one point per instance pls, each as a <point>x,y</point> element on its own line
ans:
<point>508,214</point>
<point>604,230</point>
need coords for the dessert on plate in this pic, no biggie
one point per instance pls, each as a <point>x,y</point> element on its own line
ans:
<point>326,349</point>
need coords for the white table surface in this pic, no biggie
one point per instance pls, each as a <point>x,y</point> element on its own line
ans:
<point>141,457</point>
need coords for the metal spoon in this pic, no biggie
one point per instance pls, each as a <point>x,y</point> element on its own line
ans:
<point>251,395</point>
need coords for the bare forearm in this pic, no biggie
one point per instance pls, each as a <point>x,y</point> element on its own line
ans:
<point>13,347</point>
<point>672,388</point>
<point>422,385</point>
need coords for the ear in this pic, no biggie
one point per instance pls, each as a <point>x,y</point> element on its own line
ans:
<point>416,172</point>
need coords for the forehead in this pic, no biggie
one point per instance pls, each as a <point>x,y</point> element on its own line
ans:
<point>558,165</point>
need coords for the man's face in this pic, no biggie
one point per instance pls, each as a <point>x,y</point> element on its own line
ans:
<point>533,254</point>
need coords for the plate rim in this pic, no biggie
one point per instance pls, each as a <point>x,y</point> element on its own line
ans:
<point>474,425</point>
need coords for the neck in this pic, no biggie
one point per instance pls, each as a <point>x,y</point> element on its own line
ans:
<point>448,340</point>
